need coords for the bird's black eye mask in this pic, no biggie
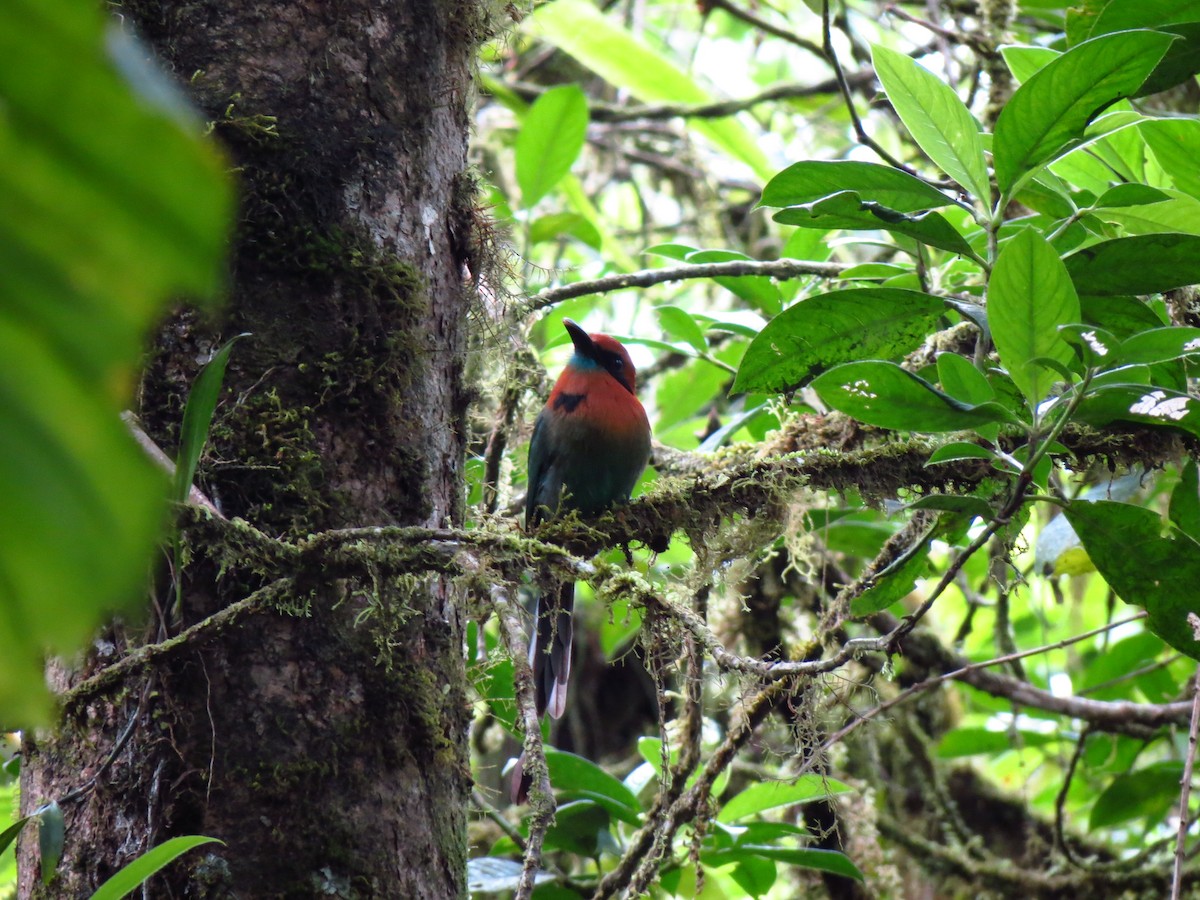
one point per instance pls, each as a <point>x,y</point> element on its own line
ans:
<point>615,366</point>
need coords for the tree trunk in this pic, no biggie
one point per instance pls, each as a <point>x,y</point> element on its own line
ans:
<point>321,737</point>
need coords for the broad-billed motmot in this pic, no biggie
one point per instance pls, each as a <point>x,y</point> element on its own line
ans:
<point>590,444</point>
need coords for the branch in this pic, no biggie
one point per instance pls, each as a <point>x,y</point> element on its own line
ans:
<point>144,657</point>
<point>541,795</point>
<point>775,268</point>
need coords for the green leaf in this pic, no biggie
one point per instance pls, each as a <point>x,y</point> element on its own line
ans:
<point>895,582</point>
<point>581,30</point>
<point>1158,573</point>
<point>148,864</point>
<point>556,225</point>
<point>956,451</point>
<point>939,122</point>
<point>1096,346</point>
<point>51,831</point>
<point>679,325</point>
<point>765,795</point>
<point>1131,195</point>
<point>1175,144</point>
<point>883,394</point>
<point>961,380</point>
<point>1090,20</point>
<point>576,777</point>
<point>112,203</point>
<point>806,182</point>
<point>821,331</point>
<point>848,210</point>
<point>1055,105</point>
<point>1185,501</point>
<point>197,417</point>
<point>1159,345</point>
<point>1121,315</point>
<point>1140,403</point>
<point>973,741</point>
<point>1029,296</point>
<point>9,834</point>
<point>551,137</point>
<point>577,828</point>
<point>1146,793</point>
<point>1025,62</point>
<point>1142,264</point>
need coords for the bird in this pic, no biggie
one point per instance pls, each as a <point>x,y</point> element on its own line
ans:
<point>590,445</point>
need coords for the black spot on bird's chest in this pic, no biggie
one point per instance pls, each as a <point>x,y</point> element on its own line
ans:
<point>568,402</point>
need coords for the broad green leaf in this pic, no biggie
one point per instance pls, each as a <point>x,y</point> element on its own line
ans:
<point>1142,264</point>
<point>972,741</point>
<point>679,325</point>
<point>1029,296</point>
<point>1123,316</point>
<point>1173,214</point>
<point>1185,501</point>
<point>1025,62</point>
<point>1114,662</point>
<point>1159,345</point>
<point>960,379</point>
<point>805,182</point>
<point>1087,21</point>
<point>937,119</point>
<point>51,833</point>
<point>1131,195</point>
<point>822,331</point>
<point>556,225</point>
<point>895,582</point>
<point>575,777</point>
<point>1158,573</point>
<point>753,874</point>
<point>197,417</point>
<point>883,394</point>
<point>581,30</point>
<point>849,211</point>
<point>765,795</point>
<point>956,451</point>
<point>1175,144</point>
<point>148,864</point>
<point>1096,346</point>
<point>112,204</point>
<point>550,139</point>
<point>577,828</point>
<point>1147,793</point>
<point>1141,403</point>
<point>1055,105</point>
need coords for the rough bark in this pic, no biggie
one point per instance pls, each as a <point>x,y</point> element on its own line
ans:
<point>324,742</point>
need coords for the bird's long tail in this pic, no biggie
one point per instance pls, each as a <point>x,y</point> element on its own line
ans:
<point>550,650</point>
<point>550,659</point>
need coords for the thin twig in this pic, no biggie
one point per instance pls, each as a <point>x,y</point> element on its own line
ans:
<point>160,458</point>
<point>1185,792</point>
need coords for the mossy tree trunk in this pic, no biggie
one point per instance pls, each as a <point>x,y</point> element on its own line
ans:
<point>323,737</point>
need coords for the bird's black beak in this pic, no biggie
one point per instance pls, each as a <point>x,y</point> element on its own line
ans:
<point>581,339</point>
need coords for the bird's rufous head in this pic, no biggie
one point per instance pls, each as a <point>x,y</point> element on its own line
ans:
<point>604,352</point>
